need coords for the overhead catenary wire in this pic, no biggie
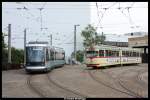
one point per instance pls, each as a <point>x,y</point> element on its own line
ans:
<point>98,14</point>
<point>127,16</point>
<point>128,8</point>
<point>75,7</point>
<point>70,8</point>
<point>41,15</point>
<point>28,10</point>
<point>106,8</point>
<point>67,38</point>
<point>25,8</point>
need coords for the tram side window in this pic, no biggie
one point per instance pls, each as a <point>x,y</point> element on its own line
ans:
<point>137,54</point>
<point>51,55</point>
<point>130,54</point>
<point>59,56</point>
<point>112,53</point>
<point>123,53</point>
<point>117,53</point>
<point>108,53</point>
<point>134,54</point>
<point>140,54</point>
<point>56,55</point>
<point>127,54</point>
<point>63,56</point>
<point>101,53</point>
<point>47,55</point>
<point>91,53</point>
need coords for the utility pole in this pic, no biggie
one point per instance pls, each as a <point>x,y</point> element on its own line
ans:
<point>102,38</point>
<point>51,39</point>
<point>9,45</point>
<point>24,47</point>
<point>41,16</point>
<point>75,41</point>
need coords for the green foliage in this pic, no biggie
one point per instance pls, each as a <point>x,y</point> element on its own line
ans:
<point>80,56</point>
<point>88,35</point>
<point>17,55</point>
<point>4,51</point>
<point>3,44</point>
<point>4,56</point>
<point>91,37</point>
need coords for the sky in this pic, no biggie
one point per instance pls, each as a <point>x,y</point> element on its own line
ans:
<point>115,21</point>
<point>59,18</point>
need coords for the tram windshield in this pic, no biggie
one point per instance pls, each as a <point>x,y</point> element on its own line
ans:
<point>91,53</point>
<point>35,55</point>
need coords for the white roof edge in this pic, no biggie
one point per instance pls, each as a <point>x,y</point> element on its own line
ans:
<point>115,48</point>
<point>36,44</point>
<point>44,45</point>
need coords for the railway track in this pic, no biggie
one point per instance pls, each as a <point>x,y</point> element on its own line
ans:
<point>65,88</point>
<point>139,77</point>
<point>129,90</point>
<point>126,90</point>
<point>49,79</point>
<point>135,79</point>
<point>30,85</point>
<point>130,93</point>
<point>41,94</point>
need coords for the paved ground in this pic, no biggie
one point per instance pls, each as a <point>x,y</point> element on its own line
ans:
<point>78,81</point>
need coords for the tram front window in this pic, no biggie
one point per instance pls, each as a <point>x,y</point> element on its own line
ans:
<point>92,53</point>
<point>35,56</point>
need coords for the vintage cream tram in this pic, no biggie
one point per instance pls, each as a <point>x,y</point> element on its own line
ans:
<point>104,55</point>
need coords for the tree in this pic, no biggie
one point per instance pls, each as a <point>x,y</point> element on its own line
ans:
<point>17,56</point>
<point>99,39</point>
<point>79,55</point>
<point>4,50</point>
<point>3,44</point>
<point>91,37</point>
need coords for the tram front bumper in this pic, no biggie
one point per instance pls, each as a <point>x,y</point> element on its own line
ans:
<point>35,69</point>
<point>92,65</point>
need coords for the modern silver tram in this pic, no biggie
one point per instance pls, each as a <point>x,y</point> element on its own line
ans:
<point>40,56</point>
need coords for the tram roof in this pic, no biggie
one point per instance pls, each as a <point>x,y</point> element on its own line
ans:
<point>36,45</point>
<point>108,47</point>
<point>45,45</point>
